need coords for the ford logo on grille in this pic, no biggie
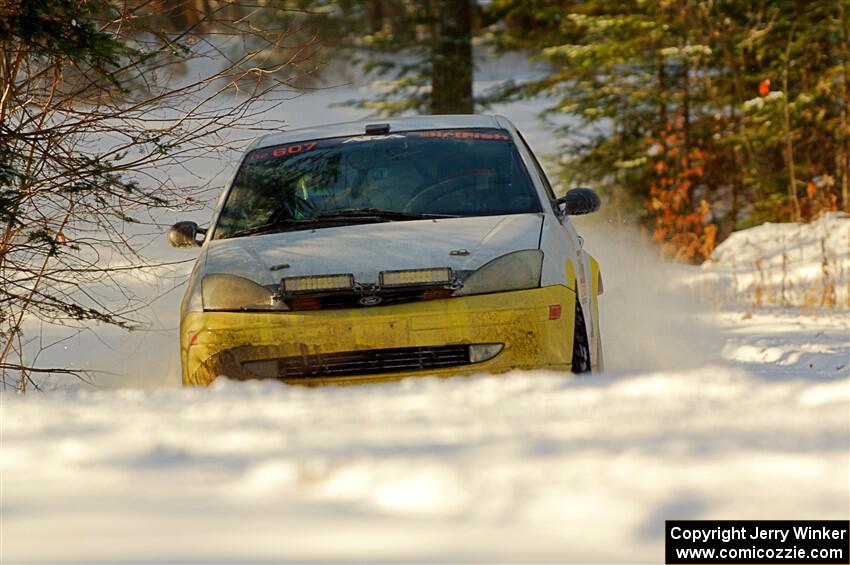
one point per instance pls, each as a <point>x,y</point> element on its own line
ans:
<point>370,300</point>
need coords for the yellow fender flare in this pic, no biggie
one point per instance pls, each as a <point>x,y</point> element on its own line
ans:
<point>596,278</point>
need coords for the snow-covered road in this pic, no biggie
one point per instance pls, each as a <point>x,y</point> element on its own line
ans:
<point>520,467</point>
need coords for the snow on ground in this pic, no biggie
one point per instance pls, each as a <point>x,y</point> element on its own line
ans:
<point>521,467</point>
<point>784,264</point>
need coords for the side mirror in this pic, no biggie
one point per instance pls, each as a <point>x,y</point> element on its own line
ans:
<point>184,234</point>
<point>578,201</point>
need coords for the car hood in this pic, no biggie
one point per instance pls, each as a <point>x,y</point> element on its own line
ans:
<point>367,249</point>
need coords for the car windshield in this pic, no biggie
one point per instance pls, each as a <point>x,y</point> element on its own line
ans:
<point>369,178</point>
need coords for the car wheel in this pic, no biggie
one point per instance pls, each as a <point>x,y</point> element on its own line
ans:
<point>581,349</point>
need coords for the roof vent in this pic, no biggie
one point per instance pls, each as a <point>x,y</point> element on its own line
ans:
<point>377,129</point>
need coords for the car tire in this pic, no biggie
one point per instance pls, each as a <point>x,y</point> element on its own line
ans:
<point>581,348</point>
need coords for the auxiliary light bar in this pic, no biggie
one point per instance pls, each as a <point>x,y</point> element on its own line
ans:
<point>416,277</point>
<point>317,283</point>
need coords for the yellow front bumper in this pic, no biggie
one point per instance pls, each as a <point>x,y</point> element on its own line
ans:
<point>217,343</point>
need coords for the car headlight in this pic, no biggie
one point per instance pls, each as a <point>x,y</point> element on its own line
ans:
<point>192,299</point>
<point>231,292</point>
<point>515,271</point>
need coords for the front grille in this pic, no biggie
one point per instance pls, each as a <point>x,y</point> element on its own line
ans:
<point>352,299</point>
<point>367,362</point>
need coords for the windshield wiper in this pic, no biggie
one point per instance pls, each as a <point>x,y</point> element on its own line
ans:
<point>337,217</point>
<point>275,226</point>
<point>380,213</point>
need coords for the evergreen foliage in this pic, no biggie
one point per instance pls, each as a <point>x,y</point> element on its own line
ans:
<point>698,116</point>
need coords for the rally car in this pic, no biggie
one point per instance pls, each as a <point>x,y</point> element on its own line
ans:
<point>378,250</point>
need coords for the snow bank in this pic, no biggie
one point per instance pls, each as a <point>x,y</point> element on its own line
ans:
<point>784,264</point>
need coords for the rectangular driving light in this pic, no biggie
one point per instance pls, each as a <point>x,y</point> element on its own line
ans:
<point>416,277</point>
<point>317,283</point>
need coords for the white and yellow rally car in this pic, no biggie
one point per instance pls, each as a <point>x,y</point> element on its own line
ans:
<point>368,251</point>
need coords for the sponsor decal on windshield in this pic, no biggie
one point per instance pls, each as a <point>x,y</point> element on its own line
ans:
<point>459,134</point>
<point>291,149</point>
